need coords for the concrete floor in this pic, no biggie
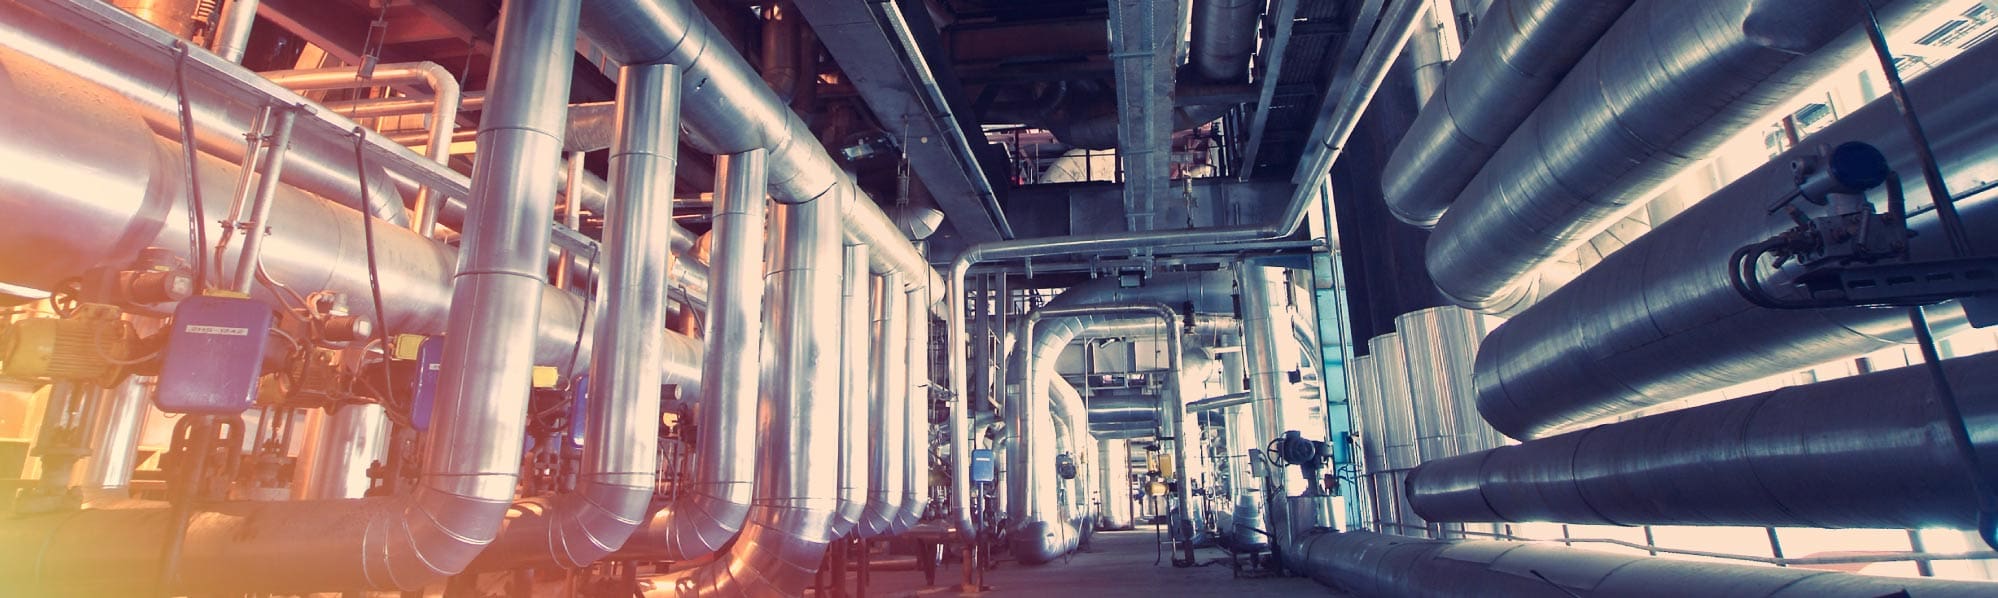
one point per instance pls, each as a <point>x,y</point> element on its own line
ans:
<point>1118,565</point>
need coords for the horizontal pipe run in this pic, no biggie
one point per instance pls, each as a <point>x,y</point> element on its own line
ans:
<point>1869,451</point>
<point>1677,327</point>
<point>1370,564</point>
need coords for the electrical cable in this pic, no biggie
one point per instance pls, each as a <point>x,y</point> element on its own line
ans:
<point>196,218</point>
<point>374,269</point>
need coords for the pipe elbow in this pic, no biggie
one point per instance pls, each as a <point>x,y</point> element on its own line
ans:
<point>695,526</point>
<point>1041,542</point>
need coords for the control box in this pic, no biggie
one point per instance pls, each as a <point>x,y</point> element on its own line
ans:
<point>213,355</point>
<point>981,466</point>
<point>429,372</point>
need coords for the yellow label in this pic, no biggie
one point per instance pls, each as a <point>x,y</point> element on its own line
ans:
<point>546,376</point>
<point>406,346</point>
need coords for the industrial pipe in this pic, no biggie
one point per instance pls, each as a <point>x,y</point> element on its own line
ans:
<point>1266,334</point>
<point>1222,37</point>
<point>444,99</point>
<point>114,438</point>
<point>1867,451</point>
<point>784,539</point>
<point>1113,458</point>
<point>232,30</point>
<point>916,413</point>
<point>1604,140</point>
<point>1682,329</point>
<point>1363,403</point>
<point>888,413</point>
<point>711,512</point>
<point>337,449</point>
<point>1512,60</point>
<point>1369,564</point>
<point>1397,414</point>
<point>621,428</point>
<point>1035,540</point>
<point>856,404</point>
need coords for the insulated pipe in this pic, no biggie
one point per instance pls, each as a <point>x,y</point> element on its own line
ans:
<point>620,452</point>
<point>1398,434</point>
<point>856,405</point>
<point>712,510</point>
<point>887,413</point>
<point>1223,37</point>
<point>114,438</point>
<point>468,475</point>
<point>1369,564</point>
<point>1266,335</point>
<point>1867,451</point>
<point>232,31</point>
<point>1440,344</point>
<point>780,548</point>
<point>1680,328</point>
<point>338,448</point>
<point>729,109</point>
<point>1620,129</point>
<point>1363,402</point>
<point>1513,59</point>
<point>916,414</point>
<point>1035,540</point>
<point>1114,409</point>
<point>1113,457</point>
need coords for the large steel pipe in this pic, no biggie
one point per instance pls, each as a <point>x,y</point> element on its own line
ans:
<point>621,429</point>
<point>710,513</point>
<point>1113,459</point>
<point>1868,451</point>
<point>887,412</point>
<point>1398,435</point>
<point>1672,324</point>
<point>856,403</point>
<point>1512,60</point>
<point>1370,564</point>
<point>788,528</point>
<point>916,410</point>
<point>1664,87</point>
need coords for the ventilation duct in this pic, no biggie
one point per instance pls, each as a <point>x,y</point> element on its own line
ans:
<point>1679,328</point>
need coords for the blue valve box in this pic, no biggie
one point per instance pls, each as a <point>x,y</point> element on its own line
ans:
<point>579,401</point>
<point>981,466</point>
<point>423,393</point>
<point>213,355</point>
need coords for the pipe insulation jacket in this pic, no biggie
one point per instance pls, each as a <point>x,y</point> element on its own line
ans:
<point>1662,89</point>
<point>1867,451</point>
<point>1389,566</point>
<point>1670,324</point>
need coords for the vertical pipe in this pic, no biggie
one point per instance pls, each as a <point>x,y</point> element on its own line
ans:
<point>916,436</point>
<point>232,33</point>
<point>1114,483</point>
<point>1263,334</point>
<point>855,404</point>
<point>339,450</point>
<point>122,416</point>
<point>1397,413</point>
<point>260,206</point>
<point>888,416</point>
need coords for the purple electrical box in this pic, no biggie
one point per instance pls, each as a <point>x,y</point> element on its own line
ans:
<point>429,368</point>
<point>213,355</point>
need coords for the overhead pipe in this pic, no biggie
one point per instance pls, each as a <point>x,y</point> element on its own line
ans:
<point>916,413</point>
<point>1223,37</point>
<point>468,476</point>
<point>1512,60</point>
<point>888,413</point>
<point>1037,539</point>
<point>232,30</point>
<point>1863,451</point>
<point>711,510</point>
<point>1370,564</point>
<point>620,461</point>
<point>1380,51</point>
<point>1603,141</point>
<point>730,109</point>
<point>856,402</point>
<point>1111,409</point>
<point>790,524</point>
<point>930,92</point>
<point>444,100</point>
<point>1682,328</point>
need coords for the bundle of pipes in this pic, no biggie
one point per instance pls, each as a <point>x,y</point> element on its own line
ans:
<point>1615,132</point>
<point>1389,566</point>
<point>1870,451</point>
<point>1679,326</point>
